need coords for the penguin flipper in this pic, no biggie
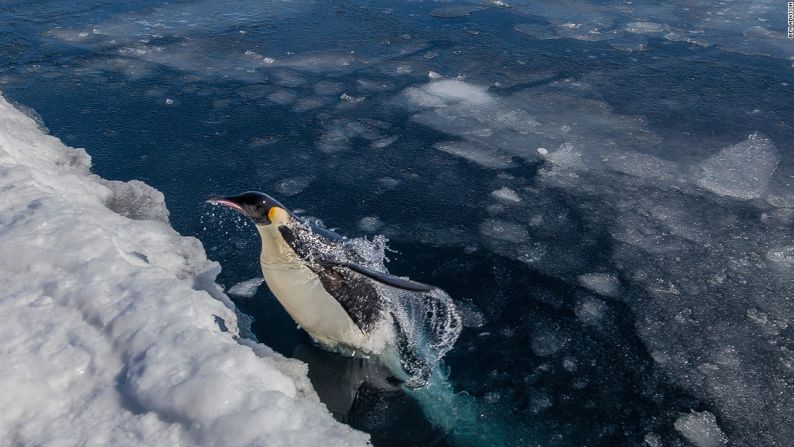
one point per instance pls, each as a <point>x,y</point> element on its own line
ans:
<point>385,278</point>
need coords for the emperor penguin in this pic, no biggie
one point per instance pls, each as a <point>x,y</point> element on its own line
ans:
<point>339,300</point>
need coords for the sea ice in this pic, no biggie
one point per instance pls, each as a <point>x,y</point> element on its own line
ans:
<point>742,170</point>
<point>602,283</point>
<point>547,341</point>
<point>506,194</point>
<point>292,186</point>
<point>504,230</point>
<point>591,311</point>
<point>247,288</point>
<point>486,157</point>
<point>701,429</point>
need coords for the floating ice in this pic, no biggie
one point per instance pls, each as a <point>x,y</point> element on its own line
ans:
<point>293,186</point>
<point>247,288</point>
<point>282,97</point>
<point>114,330</point>
<point>506,194</point>
<point>453,90</point>
<point>547,341</point>
<point>602,283</point>
<point>742,170</point>
<point>385,142</point>
<point>453,11</point>
<point>352,99</point>
<point>488,158</point>
<point>701,429</point>
<point>591,311</point>
<point>645,27</point>
<point>503,230</point>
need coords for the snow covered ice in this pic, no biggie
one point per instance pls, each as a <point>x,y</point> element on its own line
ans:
<point>114,331</point>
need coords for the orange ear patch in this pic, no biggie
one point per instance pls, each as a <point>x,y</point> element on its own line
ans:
<point>277,214</point>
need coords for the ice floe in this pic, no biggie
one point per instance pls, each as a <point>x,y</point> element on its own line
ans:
<point>247,288</point>
<point>742,170</point>
<point>701,429</point>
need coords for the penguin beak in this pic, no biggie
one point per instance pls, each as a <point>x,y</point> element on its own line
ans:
<point>227,202</point>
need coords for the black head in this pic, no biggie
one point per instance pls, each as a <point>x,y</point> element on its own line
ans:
<point>257,206</point>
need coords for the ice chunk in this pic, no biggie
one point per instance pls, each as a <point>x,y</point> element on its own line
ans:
<point>591,311</point>
<point>504,230</point>
<point>701,429</point>
<point>742,170</point>
<point>247,288</point>
<point>547,341</point>
<point>293,186</point>
<point>352,99</point>
<point>602,283</point>
<point>645,27</point>
<point>506,194</point>
<point>453,90</point>
<point>483,156</point>
<point>384,142</point>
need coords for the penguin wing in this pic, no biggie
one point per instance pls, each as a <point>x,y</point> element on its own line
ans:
<point>305,252</point>
<point>389,280</point>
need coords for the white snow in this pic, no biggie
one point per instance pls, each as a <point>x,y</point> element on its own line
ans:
<point>701,429</point>
<point>114,331</point>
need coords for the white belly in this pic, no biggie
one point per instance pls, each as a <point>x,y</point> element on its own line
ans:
<point>301,293</point>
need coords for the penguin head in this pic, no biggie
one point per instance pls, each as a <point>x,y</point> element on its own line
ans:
<point>257,206</point>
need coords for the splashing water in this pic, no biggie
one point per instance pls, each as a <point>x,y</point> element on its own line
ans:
<point>427,322</point>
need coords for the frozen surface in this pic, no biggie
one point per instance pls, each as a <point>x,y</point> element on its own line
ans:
<point>742,170</point>
<point>114,331</point>
<point>701,429</point>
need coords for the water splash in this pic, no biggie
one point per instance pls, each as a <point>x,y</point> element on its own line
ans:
<point>427,323</point>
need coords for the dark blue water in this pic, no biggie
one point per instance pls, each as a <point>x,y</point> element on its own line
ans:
<point>195,116</point>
